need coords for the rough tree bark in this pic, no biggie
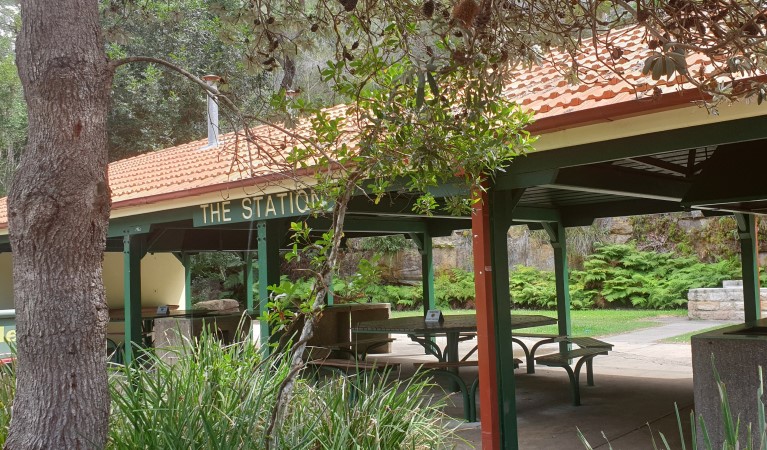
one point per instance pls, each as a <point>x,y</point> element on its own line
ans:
<point>58,216</point>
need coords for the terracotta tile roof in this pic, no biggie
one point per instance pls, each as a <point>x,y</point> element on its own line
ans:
<point>194,168</point>
<point>557,103</point>
<point>189,169</point>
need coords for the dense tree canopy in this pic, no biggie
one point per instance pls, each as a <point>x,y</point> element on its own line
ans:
<point>13,113</point>
<point>423,81</point>
<point>151,110</point>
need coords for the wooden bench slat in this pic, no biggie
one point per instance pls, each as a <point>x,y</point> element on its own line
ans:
<point>356,365</point>
<point>535,335</point>
<point>589,342</point>
<point>367,343</point>
<point>563,358</point>
<point>458,364</point>
<point>447,365</point>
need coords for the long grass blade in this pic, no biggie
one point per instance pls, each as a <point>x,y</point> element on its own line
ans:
<point>760,412</point>
<point>679,425</point>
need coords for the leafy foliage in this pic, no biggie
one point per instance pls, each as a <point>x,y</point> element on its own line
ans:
<point>616,275</point>
<point>7,392</point>
<point>151,109</point>
<point>217,275</point>
<point>385,244</point>
<point>712,240</point>
<point>216,396</point>
<point>531,287</point>
<point>621,275</point>
<point>454,289</point>
<point>401,297</point>
<point>13,110</point>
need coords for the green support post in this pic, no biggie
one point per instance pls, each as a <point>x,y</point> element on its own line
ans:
<point>750,265</point>
<point>500,221</point>
<point>424,244</point>
<point>249,279</point>
<point>268,271</point>
<point>186,260</point>
<point>427,273</point>
<point>558,239</point>
<point>133,251</point>
<point>330,299</point>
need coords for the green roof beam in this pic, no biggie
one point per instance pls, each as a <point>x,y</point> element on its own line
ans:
<point>649,144</point>
<point>606,179</point>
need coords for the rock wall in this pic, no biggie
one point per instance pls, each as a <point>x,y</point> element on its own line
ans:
<point>724,303</point>
<point>525,248</point>
<point>532,248</point>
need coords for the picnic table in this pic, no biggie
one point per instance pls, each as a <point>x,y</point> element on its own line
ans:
<point>454,327</point>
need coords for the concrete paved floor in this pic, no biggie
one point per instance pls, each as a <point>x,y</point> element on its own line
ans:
<point>637,385</point>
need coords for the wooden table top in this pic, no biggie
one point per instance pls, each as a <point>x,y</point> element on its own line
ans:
<point>459,323</point>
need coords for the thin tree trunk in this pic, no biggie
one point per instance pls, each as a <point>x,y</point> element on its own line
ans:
<point>307,331</point>
<point>58,216</point>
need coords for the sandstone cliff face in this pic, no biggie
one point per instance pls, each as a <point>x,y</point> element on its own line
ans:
<point>707,237</point>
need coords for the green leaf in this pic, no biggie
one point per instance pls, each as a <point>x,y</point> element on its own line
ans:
<point>419,93</point>
<point>432,85</point>
<point>680,61</point>
<point>659,68</point>
<point>650,63</point>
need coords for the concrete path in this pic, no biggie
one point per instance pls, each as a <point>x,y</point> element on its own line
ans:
<point>637,385</point>
<point>674,326</point>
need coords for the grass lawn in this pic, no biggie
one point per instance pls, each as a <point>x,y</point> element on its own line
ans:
<point>685,338</point>
<point>597,322</point>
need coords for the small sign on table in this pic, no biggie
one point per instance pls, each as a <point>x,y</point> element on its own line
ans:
<point>434,316</point>
<point>163,310</point>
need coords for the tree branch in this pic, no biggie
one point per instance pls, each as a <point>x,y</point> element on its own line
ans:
<point>212,90</point>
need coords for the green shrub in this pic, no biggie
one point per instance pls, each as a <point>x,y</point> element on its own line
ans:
<point>532,288</point>
<point>7,391</point>
<point>621,275</point>
<point>616,275</point>
<point>221,397</point>
<point>401,297</point>
<point>454,289</point>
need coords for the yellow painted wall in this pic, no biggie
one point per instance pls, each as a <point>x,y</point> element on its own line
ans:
<point>162,283</point>
<point>6,281</point>
<point>649,123</point>
<point>162,280</point>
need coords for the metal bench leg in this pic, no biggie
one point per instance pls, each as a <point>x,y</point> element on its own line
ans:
<point>467,403</point>
<point>574,385</point>
<point>531,357</point>
<point>590,372</point>
<point>588,360</point>
<point>473,396</point>
<point>529,361</point>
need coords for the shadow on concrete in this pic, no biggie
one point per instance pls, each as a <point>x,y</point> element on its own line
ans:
<point>629,410</point>
<point>623,407</point>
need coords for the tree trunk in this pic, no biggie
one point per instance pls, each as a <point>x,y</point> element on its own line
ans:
<point>58,216</point>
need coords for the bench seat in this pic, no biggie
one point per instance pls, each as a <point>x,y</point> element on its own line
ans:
<point>347,364</point>
<point>563,359</point>
<point>358,349</point>
<point>447,365</point>
<point>583,342</point>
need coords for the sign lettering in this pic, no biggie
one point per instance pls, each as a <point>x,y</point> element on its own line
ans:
<point>284,204</point>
